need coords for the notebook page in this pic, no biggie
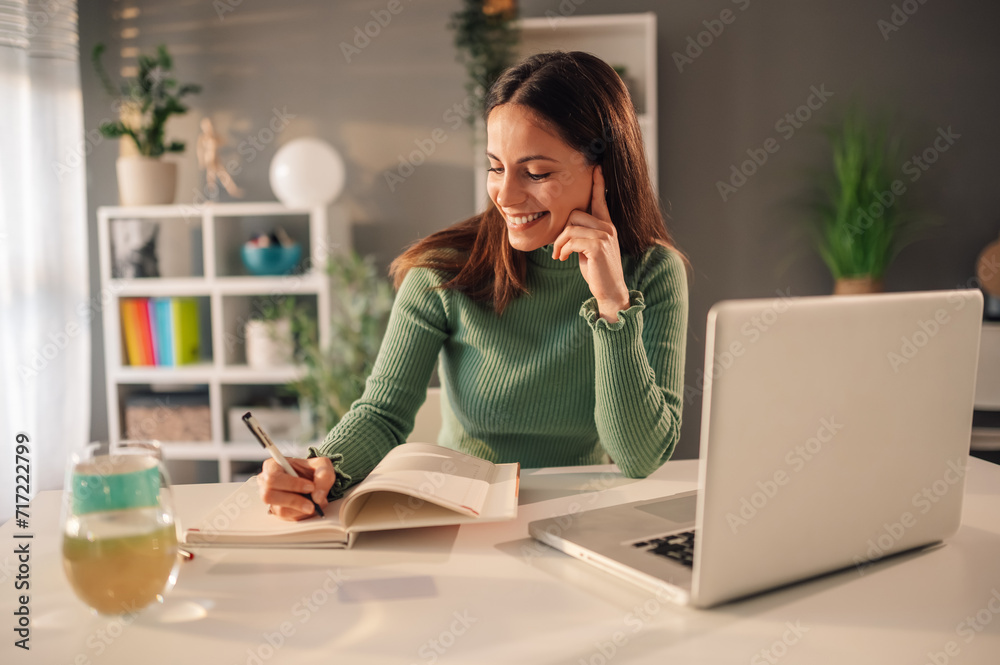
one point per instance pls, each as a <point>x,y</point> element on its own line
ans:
<point>435,474</point>
<point>243,518</point>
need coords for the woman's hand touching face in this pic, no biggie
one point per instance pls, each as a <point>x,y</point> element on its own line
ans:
<point>594,237</point>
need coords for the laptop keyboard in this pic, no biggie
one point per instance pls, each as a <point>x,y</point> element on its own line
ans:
<point>677,546</point>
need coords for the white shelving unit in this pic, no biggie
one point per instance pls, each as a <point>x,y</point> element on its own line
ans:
<point>199,250</point>
<point>626,40</point>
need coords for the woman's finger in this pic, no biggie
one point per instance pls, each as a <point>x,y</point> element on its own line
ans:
<point>292,501</point>
<point>287,513</point>
<point>583,246</point>
<point>561,253</point>
<point>580,218</point>
<point>274,477</point>
<point>598,203</point>
<point>323,478</point>
<point>283,492</point>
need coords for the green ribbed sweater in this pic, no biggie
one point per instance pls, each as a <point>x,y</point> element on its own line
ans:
<point>547,383</point>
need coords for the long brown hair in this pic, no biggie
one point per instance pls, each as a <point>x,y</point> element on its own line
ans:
<point>583,99</point>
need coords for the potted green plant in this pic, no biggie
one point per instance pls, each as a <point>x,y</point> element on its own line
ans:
<point>860,222</point>
<point>145,103</point>
<point>269,333</point>
<point>335,375</point>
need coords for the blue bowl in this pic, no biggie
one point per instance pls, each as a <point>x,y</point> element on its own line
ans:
<point>275,260</point>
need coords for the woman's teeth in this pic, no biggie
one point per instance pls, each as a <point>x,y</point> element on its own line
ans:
<point>518,221</point>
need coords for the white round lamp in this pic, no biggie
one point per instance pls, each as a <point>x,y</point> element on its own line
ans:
<point>307,172</point>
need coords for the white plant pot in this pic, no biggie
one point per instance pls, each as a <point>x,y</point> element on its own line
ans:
<point>144,181</point>
<point>269,343</point>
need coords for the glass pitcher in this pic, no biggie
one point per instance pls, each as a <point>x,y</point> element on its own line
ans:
<point>119,537</point>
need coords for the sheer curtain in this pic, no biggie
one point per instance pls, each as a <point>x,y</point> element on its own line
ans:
<point>44,300</point>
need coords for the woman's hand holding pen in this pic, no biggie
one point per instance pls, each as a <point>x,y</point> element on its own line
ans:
<point>283,493</point>
<point>595,238</point>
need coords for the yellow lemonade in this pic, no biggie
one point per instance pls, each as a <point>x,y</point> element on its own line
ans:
<point>121,574</point>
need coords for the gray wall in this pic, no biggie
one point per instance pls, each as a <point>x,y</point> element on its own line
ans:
<point>938,70</point>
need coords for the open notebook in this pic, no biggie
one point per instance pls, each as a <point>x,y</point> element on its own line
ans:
<point>416,484</point>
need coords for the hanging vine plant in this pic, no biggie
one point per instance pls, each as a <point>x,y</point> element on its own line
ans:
<point>486,37</point>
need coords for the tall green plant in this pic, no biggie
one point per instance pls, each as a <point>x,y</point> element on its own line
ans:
<point>335,375</point>
<point>860,222</point>
<point>147,102</point>
<point>485,36</point>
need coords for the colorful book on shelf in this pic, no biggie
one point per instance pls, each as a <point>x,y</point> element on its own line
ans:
<point>130,331</point>
<point>162,310</point>
<point>147,357</point>
<point>415,485</point>
<point>154,336</point>
<point>186,331</point>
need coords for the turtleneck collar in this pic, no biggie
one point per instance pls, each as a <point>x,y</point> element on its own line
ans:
<point>542,258</point>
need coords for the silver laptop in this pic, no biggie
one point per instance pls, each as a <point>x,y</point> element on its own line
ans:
<point>835,432</point>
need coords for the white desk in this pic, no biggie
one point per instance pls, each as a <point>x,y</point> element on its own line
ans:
<point>489,594</point>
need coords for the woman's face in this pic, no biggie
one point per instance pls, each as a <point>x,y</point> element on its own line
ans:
<point>535,180</point>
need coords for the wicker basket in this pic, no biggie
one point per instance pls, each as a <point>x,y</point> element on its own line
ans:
<point>168,417</point>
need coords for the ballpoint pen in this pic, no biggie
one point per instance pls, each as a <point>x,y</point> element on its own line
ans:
<point>276,455</point>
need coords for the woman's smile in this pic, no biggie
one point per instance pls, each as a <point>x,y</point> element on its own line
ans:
<point>521,222</point>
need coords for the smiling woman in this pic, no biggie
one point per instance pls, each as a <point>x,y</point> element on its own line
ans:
<point>558,315</point>
<point>577,107</point>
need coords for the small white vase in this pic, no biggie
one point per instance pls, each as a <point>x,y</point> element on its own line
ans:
<point>269,343</point>
<point>144,181</point>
